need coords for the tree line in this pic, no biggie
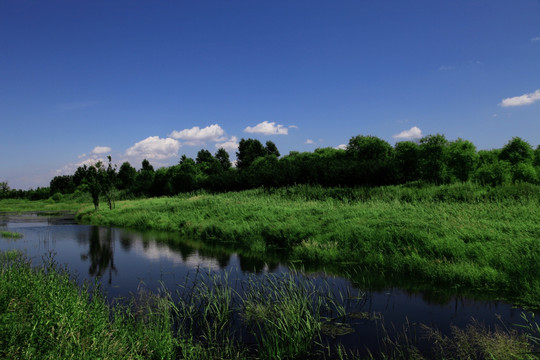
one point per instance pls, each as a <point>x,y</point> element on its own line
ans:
<point>366,161</point>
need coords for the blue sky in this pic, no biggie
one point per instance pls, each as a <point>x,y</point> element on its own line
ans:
<point>80,80</point>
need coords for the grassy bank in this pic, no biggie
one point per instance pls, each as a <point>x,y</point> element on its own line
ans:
<point>49,205</point>
<point>461,236</point>
<point>45,315</point>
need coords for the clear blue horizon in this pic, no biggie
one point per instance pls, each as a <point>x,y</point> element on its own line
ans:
<point>141,79</point>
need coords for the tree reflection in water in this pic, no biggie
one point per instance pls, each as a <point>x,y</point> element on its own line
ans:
<point>101,253</point>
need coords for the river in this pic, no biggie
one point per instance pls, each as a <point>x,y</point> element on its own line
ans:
<point>125,261</point>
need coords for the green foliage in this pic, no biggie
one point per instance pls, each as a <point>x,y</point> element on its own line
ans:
<point>462,159</point>
<point>126,176</point>
<point>223,157</point>
<point>517,151</point>
<point>433,150</point>
<point>248,151</point>
<point>62,184</point>
<point>524,172</point>
<point>493,173</point>
<point>407,155</point>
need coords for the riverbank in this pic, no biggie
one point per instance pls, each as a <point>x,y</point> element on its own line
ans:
<point>45,314</point>
<point>459,236</point>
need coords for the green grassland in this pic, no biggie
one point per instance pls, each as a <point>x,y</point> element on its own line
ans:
<point>459,236</point>
<point>72,204</point>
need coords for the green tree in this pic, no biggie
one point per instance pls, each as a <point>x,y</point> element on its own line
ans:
<point>432,158</point>
<point>109,183</point>
<point>145,178</point>
<point>371,159</point>
<point>4,189</point>
<point>536,160</point>
<point>223,157</point>
<point>462,159</point>
<point>524,172</point>
<point>271,149</point>
<point>126,176</point>
<point>493,173</point>
<point>95,179</point>
<point>248,151</point>
<point>517,151</point>
<point>407,161</point>
<point>62,184</point>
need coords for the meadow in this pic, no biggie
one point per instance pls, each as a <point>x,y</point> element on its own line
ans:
<point>463,236</point>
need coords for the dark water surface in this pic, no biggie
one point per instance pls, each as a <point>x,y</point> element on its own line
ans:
<point>125,261</point>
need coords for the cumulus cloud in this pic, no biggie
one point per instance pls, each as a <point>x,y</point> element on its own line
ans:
<point>309,141</point>
<point>101,150</point>
<point>229,145</point>
<point>342,147</point>
<point>521,100</point>
<point>268,128</point>
<point>70,168</point>
<point>198,136</point>
<point>154,148</point>
<point>412,133</point>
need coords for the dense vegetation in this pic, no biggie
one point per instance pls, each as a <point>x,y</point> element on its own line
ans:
<point>458,236</point>
<point>45,315</point>
<point>367,161</point>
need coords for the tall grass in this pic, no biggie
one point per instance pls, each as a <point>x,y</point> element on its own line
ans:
<point>45,315</point>
<point>460,236</point>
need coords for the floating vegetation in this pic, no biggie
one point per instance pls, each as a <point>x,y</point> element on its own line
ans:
<point>10,235</point>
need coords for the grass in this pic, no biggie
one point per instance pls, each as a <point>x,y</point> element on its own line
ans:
<point>44,314</point>
<point>49,205</point>
<point>462,236</point>
<point>10,234</point>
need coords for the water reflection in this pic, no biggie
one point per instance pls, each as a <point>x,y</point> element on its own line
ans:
<point>121,260</point>
<point>101,253</point>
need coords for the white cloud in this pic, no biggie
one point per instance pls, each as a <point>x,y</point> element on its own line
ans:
<point>293,127</point>
<point>412,133</point>
<point>198,136</point>
<point>70,168</point>
<point>101,150</point>
<point>521,100</point>
<point>342,147</point>
<point>267,128</point>
<point>309,141</point>
<point>446,67</point>
<point>229,145</point>
<point>536,39</point>
<point>154,148</point>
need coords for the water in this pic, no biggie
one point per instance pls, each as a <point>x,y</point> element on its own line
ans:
<point>124,261</point>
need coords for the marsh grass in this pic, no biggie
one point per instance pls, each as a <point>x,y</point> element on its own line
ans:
<point>10,234</point>
<point>44,314</point>
<point>459,236</point>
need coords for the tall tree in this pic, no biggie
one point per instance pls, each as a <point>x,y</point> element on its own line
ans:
<point>248,151</point>
<point>406,159</point>
<point>223,157</point>
<point>516,151</point>
<point>432,158</point>
<point>126,176</point>
<point>371,157</point>
<point>462,159</point>
<point>271,149</point>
